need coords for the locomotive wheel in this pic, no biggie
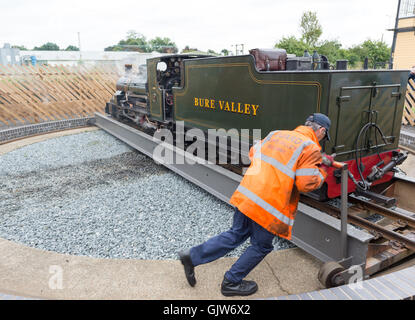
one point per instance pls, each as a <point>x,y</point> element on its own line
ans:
<point>327,274</point>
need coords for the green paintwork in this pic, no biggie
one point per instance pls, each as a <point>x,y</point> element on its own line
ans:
<point>352,115</point>
<point>285,99</point>
<point>282,97</point>
<point>154,93</point>
<point>138,89</point>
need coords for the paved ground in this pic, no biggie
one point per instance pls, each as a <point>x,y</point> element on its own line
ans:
<point>409,166</point>
<point>34,273</point>
<point>37,273</point>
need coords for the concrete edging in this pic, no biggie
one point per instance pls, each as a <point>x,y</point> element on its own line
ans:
<point>10,134</point>
<point>26,273</point>
<point>150,279</point>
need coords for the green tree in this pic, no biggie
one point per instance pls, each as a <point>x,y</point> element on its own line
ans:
<point>22,48</point>
<point>311,29</point>
<point>113,48</point>
<point>212,52</point>
<point>72,48</point>
<point>329,48</point>
<point>137,42</point>
<point>133,42</point>
<point>347,54</point>
<point>376,51</point>
<point>225,52</point>
<point>333,50</point>
<point>187,49</point>
<point>293,45</point>
<point>49,46</point>
<point>163,45</point>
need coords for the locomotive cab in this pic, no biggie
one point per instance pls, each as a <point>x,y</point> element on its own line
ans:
<point>164,74</point>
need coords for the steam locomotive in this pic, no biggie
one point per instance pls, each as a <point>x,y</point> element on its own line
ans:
<point>269,90</point>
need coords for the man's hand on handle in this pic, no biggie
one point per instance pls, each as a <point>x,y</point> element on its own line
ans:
<point>328,161</point>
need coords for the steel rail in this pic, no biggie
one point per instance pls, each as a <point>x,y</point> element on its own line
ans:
<point>369,226</point>
<point>410,221</point>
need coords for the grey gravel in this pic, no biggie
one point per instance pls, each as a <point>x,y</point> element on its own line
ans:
<point>90,194</point>
<point>62,151</point>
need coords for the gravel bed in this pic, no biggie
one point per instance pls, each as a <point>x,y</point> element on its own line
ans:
<point>62,151</point>
<point>90,194</point>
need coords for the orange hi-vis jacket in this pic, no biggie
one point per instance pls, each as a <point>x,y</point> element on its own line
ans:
<point>284,164</point>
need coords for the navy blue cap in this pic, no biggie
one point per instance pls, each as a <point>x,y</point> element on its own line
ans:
<point>322,120</point>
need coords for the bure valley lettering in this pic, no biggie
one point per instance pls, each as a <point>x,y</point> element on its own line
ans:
<point>227,106</point>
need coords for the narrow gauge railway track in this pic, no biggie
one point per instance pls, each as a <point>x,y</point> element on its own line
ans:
<point>407,219</point>
<point>387,241</point>
<point>400,229</point>
<point>397,227</point>
<point>394,232</point>
<point>360,205</point>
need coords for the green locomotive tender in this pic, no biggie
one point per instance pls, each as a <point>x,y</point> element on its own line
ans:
<point>206,92</point>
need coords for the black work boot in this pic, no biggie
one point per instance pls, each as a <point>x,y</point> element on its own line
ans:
<point>189,269</point>
<point>243,288</point>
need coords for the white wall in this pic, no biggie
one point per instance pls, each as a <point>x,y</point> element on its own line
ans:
<point>89,57</point>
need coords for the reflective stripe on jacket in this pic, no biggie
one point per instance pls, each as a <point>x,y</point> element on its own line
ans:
<point>284,164</point>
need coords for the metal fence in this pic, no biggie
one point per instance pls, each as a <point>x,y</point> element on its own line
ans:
<point>40,94</point>
<point>409,110</point>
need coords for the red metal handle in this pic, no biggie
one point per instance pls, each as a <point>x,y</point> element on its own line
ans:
<point>338,165</point>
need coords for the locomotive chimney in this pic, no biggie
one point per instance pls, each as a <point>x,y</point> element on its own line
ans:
<point>128,68</point>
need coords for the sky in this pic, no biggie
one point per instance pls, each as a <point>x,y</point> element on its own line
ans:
<point>209,24</point>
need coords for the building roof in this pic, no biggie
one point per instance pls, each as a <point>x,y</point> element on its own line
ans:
<point>86,55</point>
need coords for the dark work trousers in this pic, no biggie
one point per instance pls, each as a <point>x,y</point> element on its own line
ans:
<point>242,228</point>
